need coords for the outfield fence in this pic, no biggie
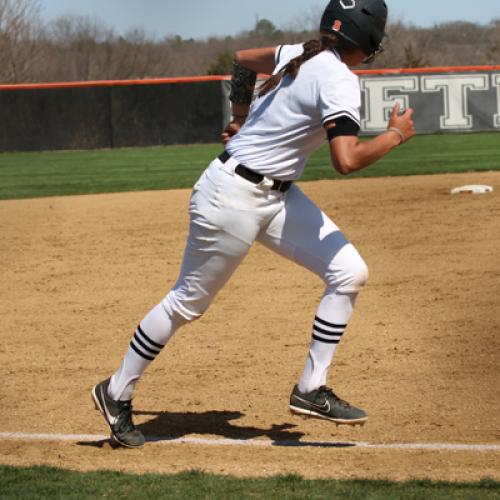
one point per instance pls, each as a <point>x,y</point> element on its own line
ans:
<point>107,114</point>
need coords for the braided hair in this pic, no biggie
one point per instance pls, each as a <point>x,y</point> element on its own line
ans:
<point>312,48</point>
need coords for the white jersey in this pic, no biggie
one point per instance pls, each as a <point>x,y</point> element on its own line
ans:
<point>285,126</point>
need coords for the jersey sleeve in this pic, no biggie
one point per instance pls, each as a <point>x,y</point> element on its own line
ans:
<point>284,54</point>
<point>339,96</point>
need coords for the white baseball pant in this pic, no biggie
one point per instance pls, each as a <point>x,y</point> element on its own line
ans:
<point>228,213</point>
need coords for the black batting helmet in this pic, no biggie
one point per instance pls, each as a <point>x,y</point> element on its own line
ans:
<point>359,22</point>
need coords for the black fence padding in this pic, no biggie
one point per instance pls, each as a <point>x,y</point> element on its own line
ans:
<point>110,116</point>
<point>174,113</point>
<point>47,119</point>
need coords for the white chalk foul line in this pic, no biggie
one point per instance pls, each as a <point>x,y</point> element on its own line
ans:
<point>89,438</point>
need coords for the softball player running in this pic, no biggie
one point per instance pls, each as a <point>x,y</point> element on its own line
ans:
<point>249,194</point>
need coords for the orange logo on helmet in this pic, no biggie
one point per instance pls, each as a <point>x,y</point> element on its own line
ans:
<point>337,25</point>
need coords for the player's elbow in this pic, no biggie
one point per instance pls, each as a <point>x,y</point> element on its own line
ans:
<point>344,155</point>
<point>239,57</point>
<point>244,58</point>
<point>345,166</point>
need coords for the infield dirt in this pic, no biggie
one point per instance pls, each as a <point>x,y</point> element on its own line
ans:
<point>420,355</point>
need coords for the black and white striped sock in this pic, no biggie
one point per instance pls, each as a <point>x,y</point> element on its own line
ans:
<point>150,337</point>
<point>332,316</point>
<point>325,338</point>
<point>144,346</point>
<point>329,333</point>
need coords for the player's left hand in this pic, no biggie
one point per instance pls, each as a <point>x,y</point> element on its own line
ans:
<point>403,122</point>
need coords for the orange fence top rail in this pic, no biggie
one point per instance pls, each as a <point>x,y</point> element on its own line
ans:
<point>112,83</point>
<point>194,79</point>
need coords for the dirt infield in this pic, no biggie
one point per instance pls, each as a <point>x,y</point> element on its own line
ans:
<point>421,354</point>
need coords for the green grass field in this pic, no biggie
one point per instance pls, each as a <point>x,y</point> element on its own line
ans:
<point>45,483</point>
<point>31,175</point>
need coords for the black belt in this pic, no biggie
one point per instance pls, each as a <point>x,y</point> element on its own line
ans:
<point>255,177</point>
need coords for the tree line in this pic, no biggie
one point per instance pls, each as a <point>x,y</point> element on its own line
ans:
<point>76,48</point>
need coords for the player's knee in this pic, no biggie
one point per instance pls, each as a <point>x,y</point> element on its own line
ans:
<point>182,309</point>
<point>350,277</point>
<point>358,274</point>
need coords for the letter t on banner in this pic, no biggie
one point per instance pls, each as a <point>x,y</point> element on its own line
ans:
<point>455,89</point>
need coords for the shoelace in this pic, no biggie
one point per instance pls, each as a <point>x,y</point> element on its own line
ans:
<point>324,390</point>
<point>125,418</point>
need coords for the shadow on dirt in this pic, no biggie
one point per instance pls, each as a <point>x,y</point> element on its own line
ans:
<point>177,425</point>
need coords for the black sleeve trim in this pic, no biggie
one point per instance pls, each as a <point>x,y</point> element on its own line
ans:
<point>278,55</point>
<point>338,114</point>
<point>342,126</point>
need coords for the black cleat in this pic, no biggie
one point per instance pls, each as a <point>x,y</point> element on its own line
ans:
<point>118,415</point>
<point>323,403</point>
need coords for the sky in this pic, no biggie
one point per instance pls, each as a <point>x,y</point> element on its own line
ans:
<point>203,18</point>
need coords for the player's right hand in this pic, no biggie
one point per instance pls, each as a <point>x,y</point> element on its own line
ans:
<point>231,129</point>
<point>402,121</point>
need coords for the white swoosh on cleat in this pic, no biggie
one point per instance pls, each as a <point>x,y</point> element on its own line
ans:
<point>324,407</point>
<point>110,418</point>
